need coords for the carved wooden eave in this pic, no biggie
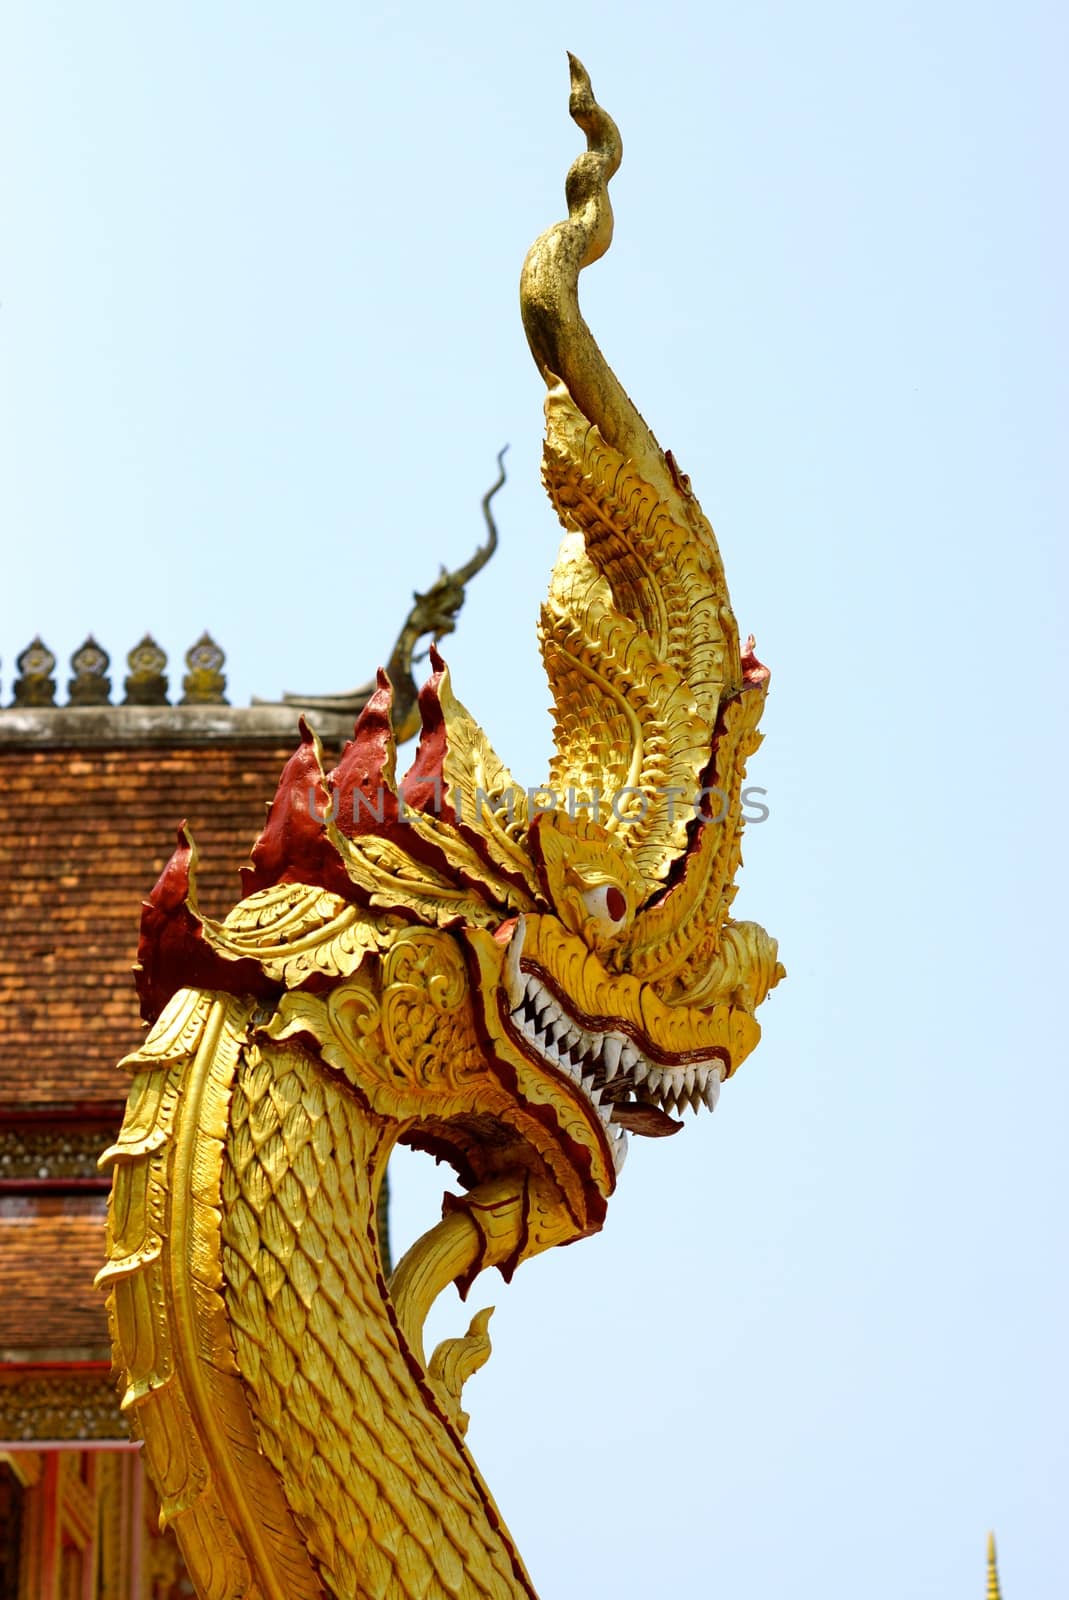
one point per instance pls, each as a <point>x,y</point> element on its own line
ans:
<point>433,615</point>
<point>65,1401</point>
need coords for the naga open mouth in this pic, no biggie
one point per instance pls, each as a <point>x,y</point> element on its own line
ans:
<point>631,1089</point>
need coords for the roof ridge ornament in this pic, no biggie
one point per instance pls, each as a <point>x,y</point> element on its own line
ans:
<point>146,684</point>
<point>35,685</point>
<point>90,685</point>
<point>204,684</point>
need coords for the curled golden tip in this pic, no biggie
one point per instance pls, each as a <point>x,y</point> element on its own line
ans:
<point>586,187</point>
<point>560,341</point>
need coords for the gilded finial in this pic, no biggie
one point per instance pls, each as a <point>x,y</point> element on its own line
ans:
<point>90,685</point>
<point>433,615</point>
<point>35,685</point>
<point>564,349</point>
<point>147,682</point>
<point>204,684</point>
<point>560,341</point>
<point>993,1590</point>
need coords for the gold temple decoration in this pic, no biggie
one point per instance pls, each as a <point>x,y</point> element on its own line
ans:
<point>35,685</point>
<point>90,685</point>
<point>993,1590</point>
<point>513,980</point>
<point>204,683</point>
<point>146,684</point>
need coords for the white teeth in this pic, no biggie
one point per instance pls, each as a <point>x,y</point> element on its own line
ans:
<point>514,984</point>
<point>542,1020</point>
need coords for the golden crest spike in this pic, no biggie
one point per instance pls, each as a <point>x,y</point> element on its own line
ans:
<point>993,1590</point>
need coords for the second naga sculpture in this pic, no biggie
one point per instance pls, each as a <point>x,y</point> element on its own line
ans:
<point>515,980</point>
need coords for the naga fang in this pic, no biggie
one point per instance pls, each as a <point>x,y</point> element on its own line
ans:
<point>515,980</point>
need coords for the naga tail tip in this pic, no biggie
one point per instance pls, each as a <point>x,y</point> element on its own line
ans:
<point>562,345</point>
<point>603,136</point>
<point>582,96</point>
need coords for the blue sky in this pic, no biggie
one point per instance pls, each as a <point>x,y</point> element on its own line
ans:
<point>259,344</point>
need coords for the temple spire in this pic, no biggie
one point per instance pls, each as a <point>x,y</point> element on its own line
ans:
<point>993,1590</point>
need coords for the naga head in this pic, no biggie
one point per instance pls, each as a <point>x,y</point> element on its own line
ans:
<point>513,978</point>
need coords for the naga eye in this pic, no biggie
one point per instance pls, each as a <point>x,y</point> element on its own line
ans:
<point>606,902</point>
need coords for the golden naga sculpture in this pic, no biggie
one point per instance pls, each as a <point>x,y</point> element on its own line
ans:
<point>511,979</point>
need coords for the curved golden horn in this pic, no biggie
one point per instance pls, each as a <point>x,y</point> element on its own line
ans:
<point>638,637</point>
<point>561,343</point>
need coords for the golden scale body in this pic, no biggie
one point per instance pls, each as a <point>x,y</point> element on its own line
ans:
<point>444,962</point>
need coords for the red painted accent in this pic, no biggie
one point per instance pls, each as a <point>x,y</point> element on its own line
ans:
<point>59,1366</point>
<point>129,1447</point>
<point>294,846</point>
<point>753,671</point>
<point>173,953</point>
<point>534,846</point>
<point>425,779</point>
<point>102,1114</point>
<point>54,1186</point>
<point>137,1527</point>
<point>48,1527</point>
<point>362,784</point>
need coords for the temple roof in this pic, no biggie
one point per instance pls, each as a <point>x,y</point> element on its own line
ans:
<point>94,781</point>
<point>53,1246</point>
<point>91,793</point>
<point>87,822</point>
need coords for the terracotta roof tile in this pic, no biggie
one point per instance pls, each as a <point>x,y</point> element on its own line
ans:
<point>83,836</point>
<point>50,1250</point>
